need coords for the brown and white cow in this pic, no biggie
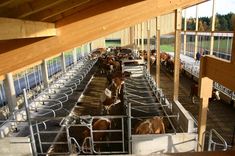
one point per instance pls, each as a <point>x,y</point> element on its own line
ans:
<point>194,93</point>
<point>100,124</point>
<point>153,125</point>
<point>108,100</point>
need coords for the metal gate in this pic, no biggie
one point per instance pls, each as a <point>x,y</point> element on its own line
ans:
<point>143,99</point>
<point>112,140</point>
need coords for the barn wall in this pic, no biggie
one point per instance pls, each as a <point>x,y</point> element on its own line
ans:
<point>163,143</point>
<point>15,146</point>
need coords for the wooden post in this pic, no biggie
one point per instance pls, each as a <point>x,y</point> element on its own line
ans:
<point>177,53</point>
<point>142,40</point>
<point>135,37</point>
<point>138,39</point>
<point>185,29</point>
<point>63,64</point>
<point>148,46</point>
<point>10,92</point>
<point>205,92</point>
<point>233,48</point>
<point>75,55</point>
<point>212,28</point>
<point>131,36</point>
<point>45,78</point>
<point>158,51</point>
<point>196,35</point>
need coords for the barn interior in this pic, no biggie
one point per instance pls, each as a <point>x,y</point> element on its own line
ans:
<point>82,76</point>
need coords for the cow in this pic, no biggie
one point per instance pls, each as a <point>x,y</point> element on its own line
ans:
<point>114,65</point>
<point>164,57</point>
<point>194,93</point>
<point>100,124</point>
<point>117,79</point>
<point>83,143</point>
<point>154,125</point>
<point>108,100</point>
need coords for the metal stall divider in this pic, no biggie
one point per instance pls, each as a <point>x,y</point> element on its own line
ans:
<point>142,82</point>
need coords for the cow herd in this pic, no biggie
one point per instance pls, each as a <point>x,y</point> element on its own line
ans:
<point>109,65</point>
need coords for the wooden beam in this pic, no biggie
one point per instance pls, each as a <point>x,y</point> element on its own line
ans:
<point>142,40</point>
<point>5,2</point>
<point>215,70</point>
<point>58,9</point>
<point>212,28</point>
<point>196,35</point>
<point>177,53</point>
<point>131,36</point>
<point>73,11</point>
<point>2,77</point>
<point>15,29</point>
<point>25,9</point>
<point>148,46</point>
<point>86,26</point>
<point>233,48</point>
<point>185,28</point>
<point>33,7</point>
<point>138,36</point>
<point>205,92</point>
<point>158,51</point>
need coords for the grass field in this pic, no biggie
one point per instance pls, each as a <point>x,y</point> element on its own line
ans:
<point>167,47</point>
<point>219,45</point>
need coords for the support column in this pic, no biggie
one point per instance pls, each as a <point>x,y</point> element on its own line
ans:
<point>212,28</point>
<point>158,51</point>
<point>75,56</point>
<point>134,29</point>
<point>142,40</point>
<point>82,51</point>
<point>148,46</point>
<point>131,36</point>
<point>10,92</point>
<point>205,92</point>
<point>196,35</point>
<point>45,78</point>
<point>138,36</point>
<point>63,64</point>
<point>177,53</point>
<point>233,48</point>
<point>185,29</point>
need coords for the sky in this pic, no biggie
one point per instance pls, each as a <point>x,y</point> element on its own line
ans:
<point>205,9</point>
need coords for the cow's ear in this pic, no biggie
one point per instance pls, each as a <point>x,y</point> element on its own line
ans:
<point>161,117</point>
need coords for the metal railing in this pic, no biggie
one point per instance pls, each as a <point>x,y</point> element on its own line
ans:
<point>141,86</point>
<point>212,144</point>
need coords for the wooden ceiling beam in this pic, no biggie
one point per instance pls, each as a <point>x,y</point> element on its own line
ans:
<point>16,29</point>
<point>5,2</point>
<point>89,24</point>
<point>37,6</point>
<point>12,6</point>
<point>58,9</point>
<point>78,8</point>
<point>28,8</point>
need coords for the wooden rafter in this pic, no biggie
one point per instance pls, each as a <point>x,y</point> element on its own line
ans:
<point>37,6</point>
<point>24,29</point>
<point>11,5</point>
<point>69,12</point>
<point>58,9</point>
<point>5,2</point>
<point>25,9</point>
<point>87,25</point>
